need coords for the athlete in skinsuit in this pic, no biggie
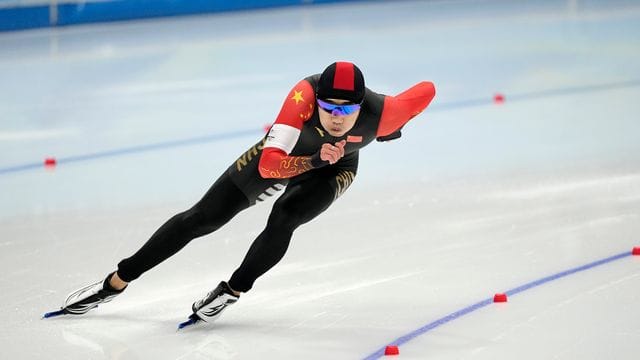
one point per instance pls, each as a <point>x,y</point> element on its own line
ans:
<point>311,149</point>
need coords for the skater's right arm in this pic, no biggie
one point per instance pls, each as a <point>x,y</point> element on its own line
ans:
<point>275,161</point>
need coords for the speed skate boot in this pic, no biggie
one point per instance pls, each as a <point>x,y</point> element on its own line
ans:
<point>211,306</point>
<point>90,296</point>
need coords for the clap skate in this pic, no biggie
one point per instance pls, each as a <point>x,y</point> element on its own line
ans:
<point>86,298</point>
<point>209,308</point>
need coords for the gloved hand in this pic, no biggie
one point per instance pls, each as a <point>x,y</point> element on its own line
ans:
<point>328,154</point>
<point>394,135</point>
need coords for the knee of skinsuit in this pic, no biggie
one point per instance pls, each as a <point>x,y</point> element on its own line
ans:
<point>195,220</point>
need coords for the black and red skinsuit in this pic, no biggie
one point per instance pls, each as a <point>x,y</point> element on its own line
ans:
<point>283,158</point>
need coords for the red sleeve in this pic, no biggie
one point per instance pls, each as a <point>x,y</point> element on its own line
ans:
<point>399,109</point>
<point>276,164</point>
<point>297,108</point>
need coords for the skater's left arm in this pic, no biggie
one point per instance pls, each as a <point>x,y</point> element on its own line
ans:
<point>399,109</point>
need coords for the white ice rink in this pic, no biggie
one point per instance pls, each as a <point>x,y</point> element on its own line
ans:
<point>476,198</point>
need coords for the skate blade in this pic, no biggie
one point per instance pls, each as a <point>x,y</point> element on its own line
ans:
<point>53,314</point>
<point>193,319</point>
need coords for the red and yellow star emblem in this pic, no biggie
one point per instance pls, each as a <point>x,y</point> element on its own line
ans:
<point>297,96</point>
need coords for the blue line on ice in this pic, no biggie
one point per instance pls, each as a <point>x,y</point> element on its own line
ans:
<point>479,305</point>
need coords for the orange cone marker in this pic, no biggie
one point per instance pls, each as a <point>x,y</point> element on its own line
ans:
<point>500,298</point>
<point>50,162</point>
<point>391,350</point>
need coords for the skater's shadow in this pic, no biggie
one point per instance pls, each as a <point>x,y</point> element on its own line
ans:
<point>146,324</point>
<point>126,336</point>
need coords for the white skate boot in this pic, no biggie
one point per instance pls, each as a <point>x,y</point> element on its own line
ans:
<point>211,306</point>
<point>89,297</point>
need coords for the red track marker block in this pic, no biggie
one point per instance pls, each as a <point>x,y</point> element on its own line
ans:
<point>500,298</point>
<point>636,251</point>
<point>391,350</point>
<point>498,99</point>
<point>50,162</point>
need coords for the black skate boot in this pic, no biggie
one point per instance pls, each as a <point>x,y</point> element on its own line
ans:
<point>211,306</point>
<point>89,297</point>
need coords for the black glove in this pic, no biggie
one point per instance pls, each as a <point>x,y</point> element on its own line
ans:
<point>392,136</point>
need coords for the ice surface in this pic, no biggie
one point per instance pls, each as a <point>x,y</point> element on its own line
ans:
<point>474,199</point>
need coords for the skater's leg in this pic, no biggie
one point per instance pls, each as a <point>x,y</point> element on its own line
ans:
<point>219,205</point>
<point>302,201</point>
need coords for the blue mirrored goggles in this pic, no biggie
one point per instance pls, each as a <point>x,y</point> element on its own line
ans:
<point>338,109</point>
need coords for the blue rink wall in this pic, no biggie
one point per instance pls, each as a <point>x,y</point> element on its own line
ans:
<point>29,14</point>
